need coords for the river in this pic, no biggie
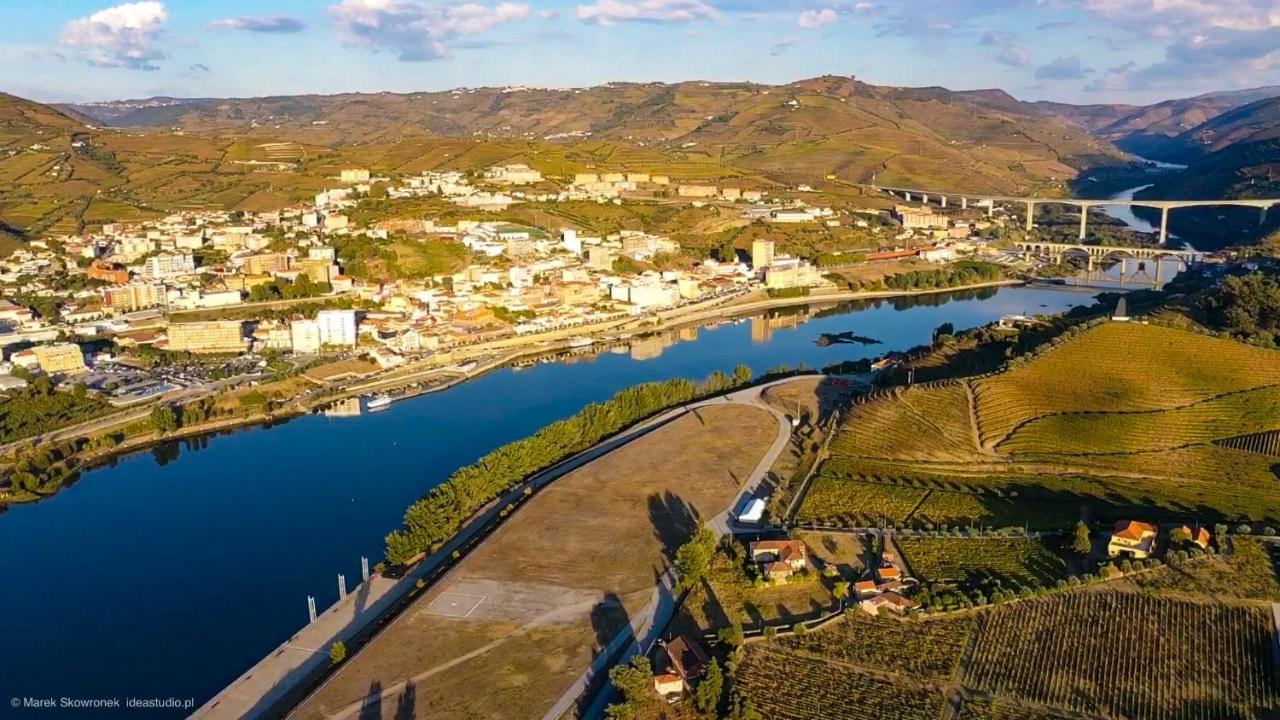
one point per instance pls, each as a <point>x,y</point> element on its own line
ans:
<point>172,571</point>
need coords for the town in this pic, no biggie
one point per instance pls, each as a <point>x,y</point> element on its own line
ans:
<point>81,309</point>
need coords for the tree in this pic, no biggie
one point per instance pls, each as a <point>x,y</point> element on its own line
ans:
<point>164,419</point>
<point>707,696</point>
<point>634,682</point>
<point>841,590</point>
<point>1179,536</point>
<point>337,652</point>
<point>732,635</point>
<point>693,558</point>
<point>742,375</point>
<point>1080,542</point>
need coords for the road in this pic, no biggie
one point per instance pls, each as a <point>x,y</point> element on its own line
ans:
<point>269,682</point>
<point>646,628</point>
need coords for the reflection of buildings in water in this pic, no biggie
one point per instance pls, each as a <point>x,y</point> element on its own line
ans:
<point>688,333</point>
<point>651,346</point>
<point>344,408</point>
<point>762,326</point>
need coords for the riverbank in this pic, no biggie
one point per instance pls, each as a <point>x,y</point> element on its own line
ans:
<point>518,349</point>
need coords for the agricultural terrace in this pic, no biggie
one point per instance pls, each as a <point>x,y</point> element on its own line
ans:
<point>522,616</point>
<point>1120,420</point>
<point>924,649</point>
<point>1010,563</point>
<point>785,686</point>
<point>1128,655</point>
<point>1120,367</point>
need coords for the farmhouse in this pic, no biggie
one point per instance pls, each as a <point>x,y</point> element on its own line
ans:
<point>891,601</point>
<point>688,658</point>
<point>780,558</point>
<point>1133,538</point>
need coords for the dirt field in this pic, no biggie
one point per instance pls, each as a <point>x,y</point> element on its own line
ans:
<point>523,616</point>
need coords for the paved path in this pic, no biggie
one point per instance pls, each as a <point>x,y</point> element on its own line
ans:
<point>275,676</point>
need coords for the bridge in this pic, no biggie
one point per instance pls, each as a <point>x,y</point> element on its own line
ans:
<point>989,202</point>
<point>1101,252</point>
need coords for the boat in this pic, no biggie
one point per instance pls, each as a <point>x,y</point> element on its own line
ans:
<point>379,402</point>
<point>578,341</point>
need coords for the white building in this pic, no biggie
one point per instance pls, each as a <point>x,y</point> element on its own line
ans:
<point>305,336</point>
<point>337,327</point>
<point>167,265</point>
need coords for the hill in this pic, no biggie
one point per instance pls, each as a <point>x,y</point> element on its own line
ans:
<point>827,125</point>
<point>1162,131</point>
<point>1137,430</point>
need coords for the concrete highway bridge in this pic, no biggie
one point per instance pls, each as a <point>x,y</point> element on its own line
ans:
<point>989,202</point>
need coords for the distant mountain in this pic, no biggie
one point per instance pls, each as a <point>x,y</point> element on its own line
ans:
<point>976,140</point>
<point>1159,131</point>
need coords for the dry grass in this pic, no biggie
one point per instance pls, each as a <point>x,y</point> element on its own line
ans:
<point>559,578</point>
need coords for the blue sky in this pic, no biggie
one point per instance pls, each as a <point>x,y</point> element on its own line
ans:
<point>1070,50</point>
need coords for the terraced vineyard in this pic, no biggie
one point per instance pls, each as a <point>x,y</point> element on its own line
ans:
<point>927,649</point>
<point>920,423</point>
<point>987,708</point>
<point>785,686</point>
<point>835,501</point>
<point>1013,562</point>
<point>1119,420</point>
<point>1129,655</point>
<point>1263,443</point>
<point>1120,367</point>
<point>1242,413</point>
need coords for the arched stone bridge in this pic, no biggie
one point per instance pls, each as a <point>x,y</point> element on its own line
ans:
<point>989,201</point>
<point>1100,252</point>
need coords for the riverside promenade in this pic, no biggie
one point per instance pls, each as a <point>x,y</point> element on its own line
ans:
<point>266,686</point>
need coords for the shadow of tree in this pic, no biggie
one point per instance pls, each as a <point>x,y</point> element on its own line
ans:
<point>371,708</point>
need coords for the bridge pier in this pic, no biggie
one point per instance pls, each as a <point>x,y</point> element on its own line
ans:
<point>1262,216</point>
<point>1164,224</point>
<point>964,203</point>
<point>944,201</point>
<point>906,196</point>
<point>924,199</point>
<point>1084,220</point>
<point>991,207</point>
<point>1031,215</point>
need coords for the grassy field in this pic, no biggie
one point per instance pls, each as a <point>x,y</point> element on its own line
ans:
<point>523,615</point>
<point>973,562</point>
<point>1121,420</point>
<point>1128,655</point>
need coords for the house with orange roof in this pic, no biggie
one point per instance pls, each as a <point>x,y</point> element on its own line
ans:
<point>1133,538</point>
<point>1199,536</point>
<point>890,601</point>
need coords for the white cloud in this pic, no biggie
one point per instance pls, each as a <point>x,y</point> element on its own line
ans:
<point>612,12</point>
<point>279,24</point>
<point>1207,43</point>
<point>123,36</point>
<point>418,30</point>
<point>811,19</point>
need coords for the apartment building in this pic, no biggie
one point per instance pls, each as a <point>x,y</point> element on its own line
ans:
<point>215,336</point>
<point>59,358</point>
